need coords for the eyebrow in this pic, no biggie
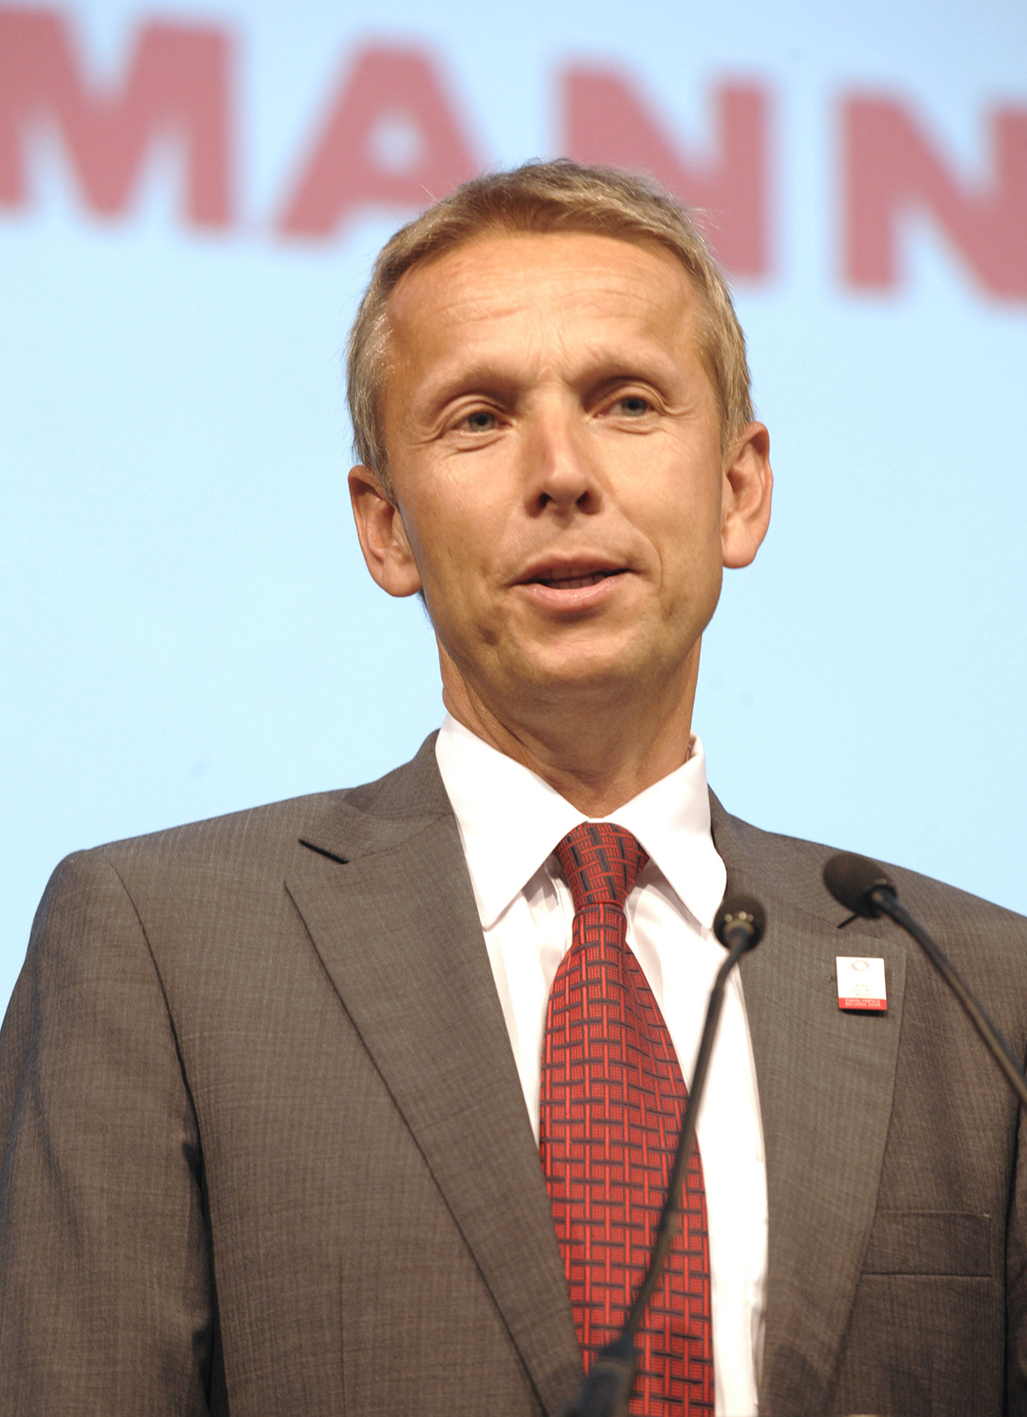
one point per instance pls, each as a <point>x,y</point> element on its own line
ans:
<point>602,366</point>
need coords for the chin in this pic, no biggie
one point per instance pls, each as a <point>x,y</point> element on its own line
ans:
<point>586,675</point>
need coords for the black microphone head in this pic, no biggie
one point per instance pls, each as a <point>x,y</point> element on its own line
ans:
<point>739,909</point>
<point>852,879</point>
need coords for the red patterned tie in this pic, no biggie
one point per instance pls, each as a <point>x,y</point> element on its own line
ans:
<point>612,1097</point>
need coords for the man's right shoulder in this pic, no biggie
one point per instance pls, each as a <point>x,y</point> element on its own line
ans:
<point>263,842</point>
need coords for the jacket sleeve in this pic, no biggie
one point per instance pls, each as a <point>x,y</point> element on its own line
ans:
<point>1016,1282</point>
<point>105,1272</point>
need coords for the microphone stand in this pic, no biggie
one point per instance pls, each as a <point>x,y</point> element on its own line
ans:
<point>606,1389</point>
<point>863,887</point>
<point>888,903</point>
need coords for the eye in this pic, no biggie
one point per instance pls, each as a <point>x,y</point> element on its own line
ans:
<point>634,405</point>
<point>482,420</point>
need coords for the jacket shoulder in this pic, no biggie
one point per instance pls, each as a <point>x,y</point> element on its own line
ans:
<point>260,843</point>
<point>793,867</point>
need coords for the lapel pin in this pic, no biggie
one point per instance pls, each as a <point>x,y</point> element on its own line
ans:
<point>861,983</point>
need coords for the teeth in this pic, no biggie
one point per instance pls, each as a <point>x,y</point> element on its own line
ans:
<point>575,582</point>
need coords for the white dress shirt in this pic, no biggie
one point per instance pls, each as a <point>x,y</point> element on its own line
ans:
<point>510,821</point>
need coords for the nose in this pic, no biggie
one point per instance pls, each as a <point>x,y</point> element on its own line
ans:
<point>561,472</point>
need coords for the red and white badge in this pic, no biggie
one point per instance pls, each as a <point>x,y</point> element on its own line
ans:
<point>861,983</point>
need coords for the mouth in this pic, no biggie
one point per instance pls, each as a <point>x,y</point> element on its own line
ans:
<point>572,577</point>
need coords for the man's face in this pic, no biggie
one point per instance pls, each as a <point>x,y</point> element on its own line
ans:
<point>553,442</point>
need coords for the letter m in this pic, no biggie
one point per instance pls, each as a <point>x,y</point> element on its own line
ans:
<point>176,86</point>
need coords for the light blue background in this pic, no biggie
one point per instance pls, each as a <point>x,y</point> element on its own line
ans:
<point>188,627</point>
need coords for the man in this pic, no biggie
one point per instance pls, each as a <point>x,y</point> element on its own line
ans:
<point>275,1087</point>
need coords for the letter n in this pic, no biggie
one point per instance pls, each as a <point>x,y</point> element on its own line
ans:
<point>892,169</point>
<point>606,122</point>
<point>176,85</point>
<point>391,139</point>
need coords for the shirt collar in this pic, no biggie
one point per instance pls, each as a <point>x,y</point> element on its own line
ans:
<point>510,821</point>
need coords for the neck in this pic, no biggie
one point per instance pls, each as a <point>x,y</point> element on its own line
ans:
<point>597,752</point>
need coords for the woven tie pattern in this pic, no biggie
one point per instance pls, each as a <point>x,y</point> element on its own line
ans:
<point>611,1102</point>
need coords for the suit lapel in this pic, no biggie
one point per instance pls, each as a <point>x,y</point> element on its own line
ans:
<point>826,1080</point>
<point>387,901</point>
<point>397,930</point>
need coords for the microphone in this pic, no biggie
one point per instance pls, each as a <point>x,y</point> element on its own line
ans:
<point>739,921</point>
<point>606,1390</point>
<point>866,889</point>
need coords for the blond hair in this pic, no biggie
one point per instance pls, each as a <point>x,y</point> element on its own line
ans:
<point>544,197</point>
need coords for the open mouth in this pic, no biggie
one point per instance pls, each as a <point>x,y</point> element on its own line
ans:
<point>574,581</point>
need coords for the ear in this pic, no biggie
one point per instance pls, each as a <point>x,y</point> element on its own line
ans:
<point>383,537</point>
<point>747,488</point>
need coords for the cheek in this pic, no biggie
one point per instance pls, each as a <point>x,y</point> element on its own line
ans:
<point>688,546</point>
<point>678,510</point>
<point>427,507</point>
<point>447,547</point>
<point>459,525</point>
<point>678,476</point>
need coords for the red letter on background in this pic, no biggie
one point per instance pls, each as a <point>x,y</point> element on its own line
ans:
<point>392,97</point>
<point>177,84</point>
<point>891,169</point>
<point>606,123</point>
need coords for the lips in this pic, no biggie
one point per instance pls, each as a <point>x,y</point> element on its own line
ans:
<point>578,575</point>
<point>560,582</point>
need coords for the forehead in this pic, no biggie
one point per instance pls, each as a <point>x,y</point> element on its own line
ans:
<point>543,292</point>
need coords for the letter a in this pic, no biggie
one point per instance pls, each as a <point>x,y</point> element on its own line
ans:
<point>391,139</point>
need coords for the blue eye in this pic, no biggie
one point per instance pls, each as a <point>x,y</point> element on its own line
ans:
<point>481,421</point>
<point>634,405</point>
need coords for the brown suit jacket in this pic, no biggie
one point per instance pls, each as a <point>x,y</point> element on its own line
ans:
<point>264,1149</point>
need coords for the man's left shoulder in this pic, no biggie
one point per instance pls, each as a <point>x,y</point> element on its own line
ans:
<point>791,869</point>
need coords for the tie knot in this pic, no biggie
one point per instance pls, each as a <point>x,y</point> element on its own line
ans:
<point>601,862</point>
